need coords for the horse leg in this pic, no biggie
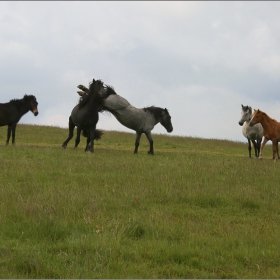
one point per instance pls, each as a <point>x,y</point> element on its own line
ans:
<point>262,146</point>
<point>78,137</point>
<point>8,134</point>
<point>90,140</point>
<point>255,143</point>
<point>274,149</point>
<point>149,136</point>
<point>249,147</point>
<point>137,141</point>
<point>258,146</point>
<point>70,136</point>
<point>13,133</point>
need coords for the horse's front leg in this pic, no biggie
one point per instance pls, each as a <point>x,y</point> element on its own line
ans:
<point>249,147</point>
<point>256,147</point>
<point>90,140</point>
<point>8,134</point>
<point>78,138</point>
<point>13,133</point>
<point>70,136</point>
<point>262,146</point>
<point>137,141</point>
<point>149,136</point>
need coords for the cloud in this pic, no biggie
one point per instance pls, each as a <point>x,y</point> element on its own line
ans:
<point>201,60</point>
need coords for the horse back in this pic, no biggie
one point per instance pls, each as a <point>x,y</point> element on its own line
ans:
<point>272,131</point>
<point>115,102</point>
<point>8,114</point>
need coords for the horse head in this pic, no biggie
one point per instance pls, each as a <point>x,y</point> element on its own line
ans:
<point>246,114</point>
<point>31,99</point>
<point>97,89</point>
<point>165,120</point>
<point>256,117</point>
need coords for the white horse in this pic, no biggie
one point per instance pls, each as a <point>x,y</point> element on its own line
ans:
<point>254,133</point>
<point>140,120</point>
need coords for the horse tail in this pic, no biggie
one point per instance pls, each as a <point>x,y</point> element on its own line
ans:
<point>97,134</point>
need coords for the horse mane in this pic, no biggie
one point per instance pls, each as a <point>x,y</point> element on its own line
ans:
<point>267,115</point>
<point>18,101</point>
<point>93,93</point>
<point>110,90</point>
<point>155,111</point>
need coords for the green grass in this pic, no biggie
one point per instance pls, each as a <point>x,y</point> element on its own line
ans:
<point>198,208</point>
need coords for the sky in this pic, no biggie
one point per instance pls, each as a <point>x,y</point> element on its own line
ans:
<point>200,60</point>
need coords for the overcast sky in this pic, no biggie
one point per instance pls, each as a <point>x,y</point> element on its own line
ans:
<point>200,60</point>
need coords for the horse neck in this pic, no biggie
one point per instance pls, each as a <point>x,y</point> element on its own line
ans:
<point>266,121</point>
<point>22,106</point>
<point>155,117</point>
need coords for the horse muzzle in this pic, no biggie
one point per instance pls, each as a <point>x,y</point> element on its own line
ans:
<point>35,112</point>
<point>240,123</point>
<point>251,124</point>
<point>170,129</point>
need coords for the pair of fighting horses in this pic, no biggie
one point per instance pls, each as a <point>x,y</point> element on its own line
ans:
<point>98,98</point>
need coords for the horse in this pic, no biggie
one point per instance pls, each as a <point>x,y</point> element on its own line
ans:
<point>254,133</point>
<point>85,116</point>
<point>271,130</point>
<point>11,113</point>
<point>140,120</point>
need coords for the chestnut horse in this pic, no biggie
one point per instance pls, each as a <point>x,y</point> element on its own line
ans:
<point>271,131</point>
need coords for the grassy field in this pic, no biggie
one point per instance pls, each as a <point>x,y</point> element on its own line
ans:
<point>198,208</point>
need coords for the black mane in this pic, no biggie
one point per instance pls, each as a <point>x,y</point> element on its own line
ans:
<point>18,102</point>
<point>110,90</point>
<point>93,93</point>
<point>156,111</point>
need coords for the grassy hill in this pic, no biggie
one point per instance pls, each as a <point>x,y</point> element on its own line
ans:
<point>198,208</point>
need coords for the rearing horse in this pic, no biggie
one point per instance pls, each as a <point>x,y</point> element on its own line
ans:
<point>85,116</point>
<point>271,131</point>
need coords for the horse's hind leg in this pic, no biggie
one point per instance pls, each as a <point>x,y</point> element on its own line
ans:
<point>70,136</point>
<point>149,136</point>
<point>275,150</point>
<point>137,141</point>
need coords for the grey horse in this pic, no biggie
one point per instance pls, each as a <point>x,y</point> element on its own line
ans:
<point>140,120</point>
<point>254,133</point>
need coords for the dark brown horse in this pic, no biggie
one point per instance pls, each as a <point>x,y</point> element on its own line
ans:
<point>11,113</point>
<point>140,120</point>
<point>271,131</point>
